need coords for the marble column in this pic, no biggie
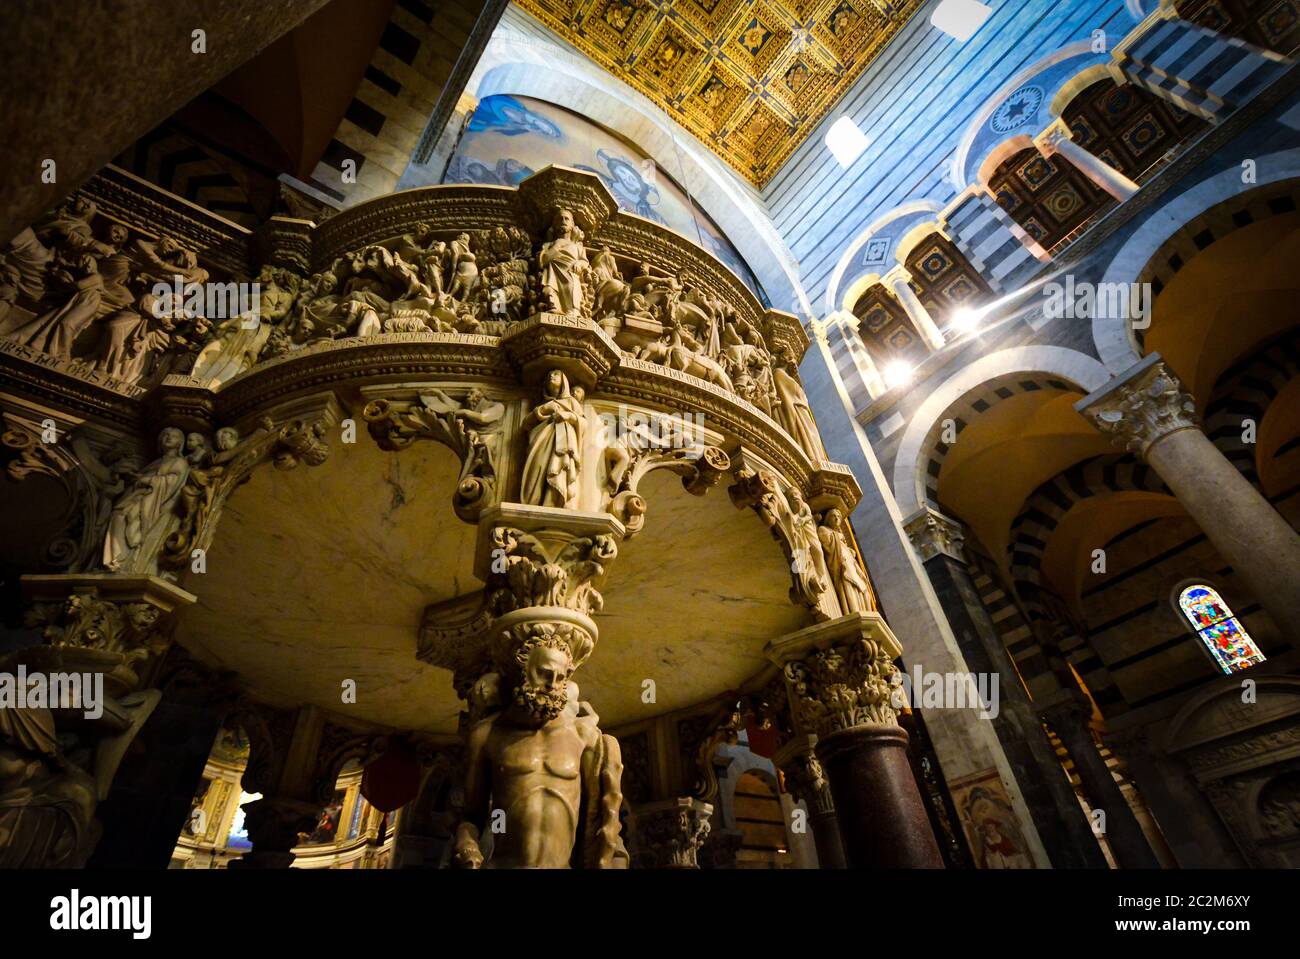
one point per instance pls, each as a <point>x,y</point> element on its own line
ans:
<point>900,282</point>
<point>670,832</point>
<point>1192,67</point>
<point>806,780</point>
<point>1128,843</point>
<point>839,678</point>
<point>1065,831</point>
<point>1147,411</point>
<point>1058,139</point>
<point>858,371</point>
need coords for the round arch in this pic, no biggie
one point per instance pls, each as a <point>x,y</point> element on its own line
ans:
<point>1079,369</point>
<point>910,208</point>
<point>1139,258</point>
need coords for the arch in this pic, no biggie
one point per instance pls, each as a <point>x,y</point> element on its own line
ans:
<point>913,238</point>
<point>1169,236</point>
<point>1245,391</point>
<point>1000,154</point>
<point>1072,87</point>
<point>517,64</point>
<point>1207,614</point>
<point>1079,370</point>
<point>961,158</point>
<point>1048,505</point>
<point>910,208</point>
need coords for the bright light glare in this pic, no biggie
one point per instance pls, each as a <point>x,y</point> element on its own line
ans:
<point>846,141</point>
<point>960,18</point>
<point>965,320</point>
<point>898,373</point>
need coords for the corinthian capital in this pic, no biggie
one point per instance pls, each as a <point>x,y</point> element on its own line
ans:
<point>1141,408</point>
<point>839,674</point>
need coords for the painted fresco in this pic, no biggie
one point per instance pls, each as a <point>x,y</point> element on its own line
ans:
<point>509,138</point>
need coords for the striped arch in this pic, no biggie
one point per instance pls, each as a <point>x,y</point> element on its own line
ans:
<point>968,393</point>
<point>973,405</point>
<point>1032,530</point>
<point>1245,391</point>
<point>184,167</point>
<point>1174,233</point>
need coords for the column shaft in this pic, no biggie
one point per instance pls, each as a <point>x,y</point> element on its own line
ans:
<point>882,820</point>
<point>1097,170</point>
<point>1244,527</point>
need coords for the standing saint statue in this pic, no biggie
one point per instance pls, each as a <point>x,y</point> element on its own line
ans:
<point>563,261</point>
<point>793,411</point>
<point>146,504</point>
<point>851,586</point>
<point>551,471</point>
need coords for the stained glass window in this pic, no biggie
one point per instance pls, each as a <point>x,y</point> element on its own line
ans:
<point>1220,631</point>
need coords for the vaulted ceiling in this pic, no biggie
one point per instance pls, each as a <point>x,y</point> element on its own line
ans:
<point>750,79</point>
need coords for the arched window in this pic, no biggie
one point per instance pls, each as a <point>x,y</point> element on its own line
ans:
<point>1220,631</point>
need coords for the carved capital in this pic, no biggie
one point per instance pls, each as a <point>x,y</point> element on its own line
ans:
<point>1141,408</point>
<point>1049,141</point>
<point>839,674</point>
<point>932,533</point>
<point>572,344</point>
<point>101,623</point>
<point>671,832</point>
<point>804,776</point>
<point>273,827</point>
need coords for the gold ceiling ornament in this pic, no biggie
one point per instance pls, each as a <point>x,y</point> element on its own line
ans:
<point>750,79</point>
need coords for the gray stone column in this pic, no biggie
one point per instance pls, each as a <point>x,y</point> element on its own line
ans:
<point>1055,809</point>
<point>1123,831</point>
<point>807,780</point>
<point>1147,411</point>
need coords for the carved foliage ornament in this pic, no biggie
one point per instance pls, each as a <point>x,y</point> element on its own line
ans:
<point>1149,408</point>
<point>528,571</point>
<point>842,687</point>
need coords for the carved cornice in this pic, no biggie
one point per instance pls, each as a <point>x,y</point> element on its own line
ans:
<point>141,205</point>
<point>1142,407</point>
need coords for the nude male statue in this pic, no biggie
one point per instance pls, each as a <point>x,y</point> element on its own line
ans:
<point>541,775</point>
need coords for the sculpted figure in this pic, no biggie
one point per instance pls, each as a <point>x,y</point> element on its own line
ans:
<point>851,586</point>
<point>563,261</point>
<point>611,291</point>
<point>239,339</point>
<point>478,421</point>
<point>145,505</point>
<point>544,762</point>
<point>793,411</point>
<point>47,804</point>
<point>55,331</point>
<point>463,266</point>
<point>165,260</point>
<point>551,471</point>
<point>806,544</point>
<point>131,335</point>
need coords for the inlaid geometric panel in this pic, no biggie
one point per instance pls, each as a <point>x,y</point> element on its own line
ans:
<point>750,78</point>
<point>943,278</point>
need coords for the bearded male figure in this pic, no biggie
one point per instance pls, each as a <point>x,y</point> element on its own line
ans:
<point>541,777</point>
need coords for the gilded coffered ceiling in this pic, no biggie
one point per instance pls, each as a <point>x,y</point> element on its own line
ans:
<point>750,79</point>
